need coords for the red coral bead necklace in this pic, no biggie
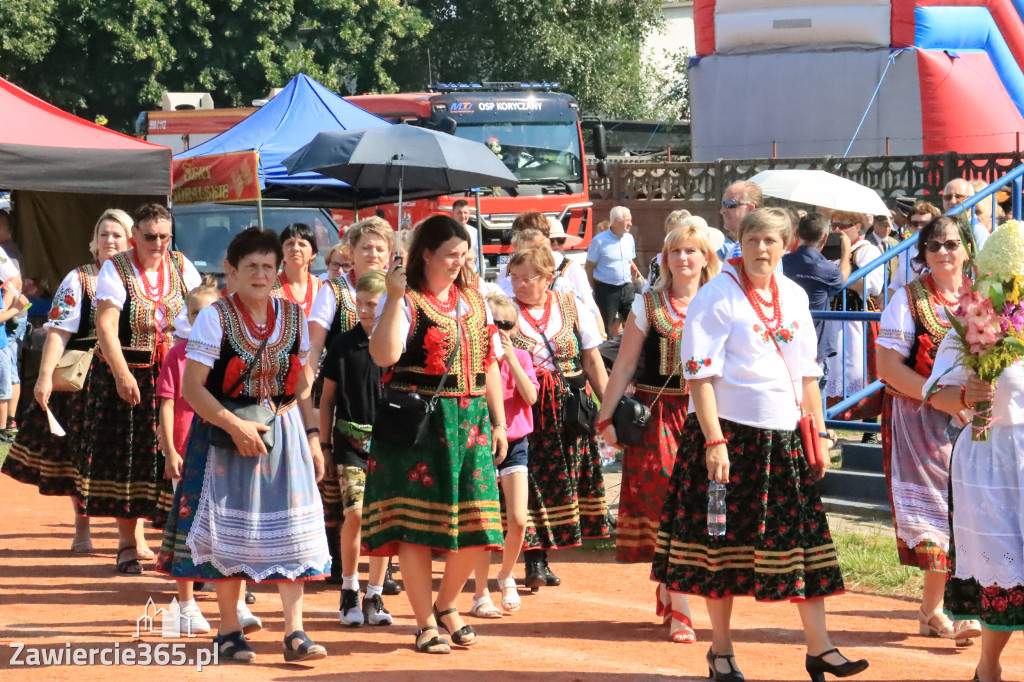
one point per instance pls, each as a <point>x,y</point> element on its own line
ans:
<point>307,300</point>
<point>446,306</point>
<point>259,332</point>
<point>758,303</point>
<point>152,293</point>
<point>541,324</point>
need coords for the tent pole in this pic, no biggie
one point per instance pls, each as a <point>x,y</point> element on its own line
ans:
<point>259,211</point>
<point>401,179</point>
<point>480,265</point>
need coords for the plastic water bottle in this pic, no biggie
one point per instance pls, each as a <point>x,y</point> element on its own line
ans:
<point>716,509</point>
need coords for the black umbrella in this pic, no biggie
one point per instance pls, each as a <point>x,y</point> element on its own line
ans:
<point>415,160</point>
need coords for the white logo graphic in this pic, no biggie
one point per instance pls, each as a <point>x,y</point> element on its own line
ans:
<point>170,619</point>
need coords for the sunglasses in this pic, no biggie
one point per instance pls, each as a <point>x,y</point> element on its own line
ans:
<point>558,241</point>
<point>935,246</point>
<point>156,237</point>
<point>843,226</point>
<point>732,203</point>
<point>920,223</point>
<point>505,325</point>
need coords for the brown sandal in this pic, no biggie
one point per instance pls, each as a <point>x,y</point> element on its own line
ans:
<point>129,566</point>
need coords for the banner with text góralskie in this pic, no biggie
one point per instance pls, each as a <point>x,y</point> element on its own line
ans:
<point>217,178</point>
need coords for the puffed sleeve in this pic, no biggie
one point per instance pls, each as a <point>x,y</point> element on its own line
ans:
<point>205,338</point>
<point>190,275</point>
<point>496,348</point>
<point>708,323</point>
<point>639,311</point>
<point>897,326</point>
<point>947,370</point>
<point>404,322</point>
<point>874,281</point>
<point>324,307</point>
<point>589,334</point>
<point>303,340</point>
<point>807,338</point>
<point>8,268</point>
<point>66,313</point>
<point>109,286</point>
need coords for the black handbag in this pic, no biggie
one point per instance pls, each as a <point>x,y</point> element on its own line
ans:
<point>631,417</point>
<point>247,411</point>
<point>403,417</point>
<point>579,411</point>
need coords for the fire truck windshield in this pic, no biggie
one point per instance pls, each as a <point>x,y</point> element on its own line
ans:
<point>532,151</point>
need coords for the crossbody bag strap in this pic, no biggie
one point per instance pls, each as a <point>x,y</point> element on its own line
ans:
<point>554,357</point>
<point>451,358</point>
<point>249,368</point>
<point>792,383</point>
<point>559,271</point>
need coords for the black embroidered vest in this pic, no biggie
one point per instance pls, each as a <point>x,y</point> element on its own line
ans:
<point>566,344</point>
<point>345,317</point>
<point>661,348</point>
<point>137,327</point>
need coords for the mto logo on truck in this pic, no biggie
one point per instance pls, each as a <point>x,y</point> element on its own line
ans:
<point>461,108</point>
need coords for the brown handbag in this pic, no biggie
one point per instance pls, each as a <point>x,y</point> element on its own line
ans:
<point>71,370</point>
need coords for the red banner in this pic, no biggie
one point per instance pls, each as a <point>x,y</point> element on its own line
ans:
<point>217,178</point>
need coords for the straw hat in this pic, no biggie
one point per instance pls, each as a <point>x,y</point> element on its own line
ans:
<point>557,231</point>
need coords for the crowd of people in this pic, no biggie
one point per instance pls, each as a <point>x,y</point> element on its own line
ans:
<point>280,427</point>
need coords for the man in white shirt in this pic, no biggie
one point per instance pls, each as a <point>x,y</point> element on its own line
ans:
<point>462,213</point>
<point>956,192</point>
<point>611,268</point>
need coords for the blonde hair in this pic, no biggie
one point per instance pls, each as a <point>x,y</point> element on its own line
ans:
<point>698,238</point>
<point>208,286</point>
<point>341,250</point>
<point>374,225</point>
<point>539,257</point>
<point>675,218</point>
<point>498,300</point>
<point>770,220</point>
<point>114,215</point>
<point>371,282</point>
<point>527,237</point>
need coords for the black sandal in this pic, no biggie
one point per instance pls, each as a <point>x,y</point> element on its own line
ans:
<point>131,566</point>
<point>427,647</point>
<point>307,650</point>
<point>233,648</point>
<point>460,636</point>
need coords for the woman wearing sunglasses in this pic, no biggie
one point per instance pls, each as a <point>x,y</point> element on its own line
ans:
<point>916,447</point>
<point>139,292</point>
<point>652,332</point>
<point>566,484</point>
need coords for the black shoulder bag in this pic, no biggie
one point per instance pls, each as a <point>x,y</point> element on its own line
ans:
<point>403,416</point>
<point>247,411</point>
<point>578,409</point>
<point>631,417</point>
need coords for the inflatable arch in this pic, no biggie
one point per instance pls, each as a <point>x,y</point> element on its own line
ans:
<point>795,77</point>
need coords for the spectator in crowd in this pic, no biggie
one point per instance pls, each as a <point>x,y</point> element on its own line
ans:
<point>296,283</point>
<point>907,269</point>
<point>820,279</point>
<point>338,261</point>
<point>713,235</point>
<point>566,501</point>
<point>611,269</point>
<point>916,446</point>
<point>139,292</point>
<point>652,336</point>
<point>462,212</point>
<point>6,238</point>
<point>881,235</point>
<point>38,457</point>
<point>751,328</point>
<point>956,192</point>
<point>739,199</point>
<point>38,295</point>
<point>569,276</point>
<point>248,509</point>
<point>437,465</point>
<point>531,220</point>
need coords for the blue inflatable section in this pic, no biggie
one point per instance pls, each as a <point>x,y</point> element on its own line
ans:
<point>971,29</point>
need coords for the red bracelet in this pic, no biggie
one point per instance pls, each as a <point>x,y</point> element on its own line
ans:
<point>713,443</point>
<point>963,397</point>
<point>602,424</point>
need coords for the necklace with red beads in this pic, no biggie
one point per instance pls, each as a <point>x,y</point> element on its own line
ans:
<point>538,324</point>
<point>929,283</point>
<point>679,312</point>
<point>758,303</point>
<point>154,294</point>
<point>259,332</point>
<point>307,301</point>
<point>446,306</point>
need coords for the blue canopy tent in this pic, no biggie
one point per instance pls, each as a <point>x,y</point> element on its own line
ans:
<point>282,126</point>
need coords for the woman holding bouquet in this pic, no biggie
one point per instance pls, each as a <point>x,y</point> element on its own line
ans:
<point>915,444</point>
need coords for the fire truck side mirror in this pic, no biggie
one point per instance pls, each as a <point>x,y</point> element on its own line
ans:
<point>600,142</point>
<point>447,125</point>
<point>602,169</point>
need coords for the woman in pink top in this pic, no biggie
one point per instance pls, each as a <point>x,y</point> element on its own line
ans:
<point>520,386</point>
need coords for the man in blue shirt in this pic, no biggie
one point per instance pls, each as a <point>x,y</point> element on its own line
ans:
<point>820,278</point>
<point>611,268</point>
<point>739,199</point>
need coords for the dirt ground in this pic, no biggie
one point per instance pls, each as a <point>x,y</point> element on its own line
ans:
<point>599,625</point>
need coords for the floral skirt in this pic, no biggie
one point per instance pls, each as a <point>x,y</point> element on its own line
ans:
<point>443,495</point>
<point>926,554</point>
<point>120,466</point>
<point>566,486</point>
<point>646,472</point>
<point>42,459</point>
<point>777,543</point>
<point>251,518</point>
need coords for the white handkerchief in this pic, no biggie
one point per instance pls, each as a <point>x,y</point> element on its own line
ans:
<point>55,427</point>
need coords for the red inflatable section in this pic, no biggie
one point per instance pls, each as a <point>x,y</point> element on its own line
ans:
<point>903,25</point>
<point>960,95</point>
<point>704,26</point>
<point>1004,14</point>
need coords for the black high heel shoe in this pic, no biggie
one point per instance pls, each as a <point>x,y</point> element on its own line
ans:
<point>734,674</point>
<point>535,577</point>
<point>817,666</point>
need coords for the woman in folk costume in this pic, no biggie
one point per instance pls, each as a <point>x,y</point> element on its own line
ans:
<point>652,334</point>
<point>139,292</point>
<point>566,502</point>
<point>38,457</point>
<point>431,482</point>
<point>296,283</point>
<point>916,447</point>
<point>748,351</point>
<point>247,507</point>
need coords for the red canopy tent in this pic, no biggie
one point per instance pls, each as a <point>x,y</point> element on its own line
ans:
<point>64,172</point>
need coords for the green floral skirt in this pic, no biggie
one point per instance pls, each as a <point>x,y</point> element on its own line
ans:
<point>443,494</point>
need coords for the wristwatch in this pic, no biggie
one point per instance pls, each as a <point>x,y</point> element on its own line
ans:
<point>501,424</point>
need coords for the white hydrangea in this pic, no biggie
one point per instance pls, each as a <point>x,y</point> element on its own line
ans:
<point>1002,257</point>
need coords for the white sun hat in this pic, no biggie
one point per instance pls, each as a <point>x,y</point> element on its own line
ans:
<point>558,232</point>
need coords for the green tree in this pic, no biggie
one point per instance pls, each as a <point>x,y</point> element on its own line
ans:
<point>592,47</point>
<point>27,32</point>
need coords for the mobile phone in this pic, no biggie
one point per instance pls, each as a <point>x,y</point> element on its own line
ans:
<point>833,249</point>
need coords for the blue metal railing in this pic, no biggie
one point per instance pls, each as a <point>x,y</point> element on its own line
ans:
<point>1015,178</point>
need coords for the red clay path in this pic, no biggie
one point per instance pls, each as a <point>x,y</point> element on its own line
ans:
<point>599,625</point>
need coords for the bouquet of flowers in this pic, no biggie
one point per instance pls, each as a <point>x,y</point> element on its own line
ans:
<point>990,321</point>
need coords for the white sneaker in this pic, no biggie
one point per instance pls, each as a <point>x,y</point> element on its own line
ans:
<point>249,622</point>
<point>374,611</point>
<point>349,613</point>
<point>192,621</point>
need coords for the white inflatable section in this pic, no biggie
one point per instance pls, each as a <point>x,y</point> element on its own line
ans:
<point>807,103</point>
<point>759,25</point>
